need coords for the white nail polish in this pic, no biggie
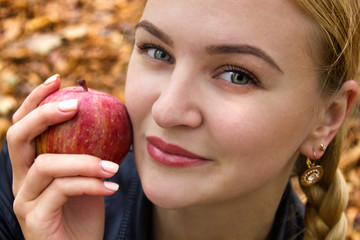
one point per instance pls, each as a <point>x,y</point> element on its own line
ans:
<point>111,186</point>
<point>68,105</point>
<point>109,166</point>
<point>51,79</point>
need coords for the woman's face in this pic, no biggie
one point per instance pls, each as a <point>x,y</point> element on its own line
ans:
<point>221,95</point>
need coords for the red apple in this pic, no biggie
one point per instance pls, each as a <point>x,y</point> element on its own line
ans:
<point>101,127</point>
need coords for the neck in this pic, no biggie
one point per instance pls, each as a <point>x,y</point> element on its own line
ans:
<point>246,218</point>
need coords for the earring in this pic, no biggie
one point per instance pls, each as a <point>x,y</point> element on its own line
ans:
<point>314,172</point>
<point>322,147</point>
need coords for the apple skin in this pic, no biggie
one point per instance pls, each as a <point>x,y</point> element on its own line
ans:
<point>101,126</point>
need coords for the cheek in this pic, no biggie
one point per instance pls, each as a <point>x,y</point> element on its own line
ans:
<point>259,133</point>
<point>140,95</point>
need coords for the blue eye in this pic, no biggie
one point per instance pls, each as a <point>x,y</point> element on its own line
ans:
<point>159,54</point>
<point>235,77</point>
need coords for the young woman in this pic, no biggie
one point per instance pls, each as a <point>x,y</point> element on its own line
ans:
<point>227,99</point>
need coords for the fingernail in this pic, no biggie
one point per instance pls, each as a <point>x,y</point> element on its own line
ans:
<point>111,186</point>
<point>68,105</point>
<point>109,166</point>
<point>51,79</point>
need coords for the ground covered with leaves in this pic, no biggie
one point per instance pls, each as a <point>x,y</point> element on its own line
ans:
<point>92,39</point>
<point>75,38</point>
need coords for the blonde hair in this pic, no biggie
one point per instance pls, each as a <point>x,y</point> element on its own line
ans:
<point>338,22</point>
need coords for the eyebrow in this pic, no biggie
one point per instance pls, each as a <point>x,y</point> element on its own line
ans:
<point>243,49</point>
<point>213,49</point>
<point>153,30</point>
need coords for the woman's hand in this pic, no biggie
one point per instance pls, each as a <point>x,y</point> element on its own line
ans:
<point>57,196</point>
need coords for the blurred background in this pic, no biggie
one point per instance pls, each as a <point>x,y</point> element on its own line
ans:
<point>92,39</point>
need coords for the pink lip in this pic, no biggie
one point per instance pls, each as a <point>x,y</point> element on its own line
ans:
<point>172,155</point>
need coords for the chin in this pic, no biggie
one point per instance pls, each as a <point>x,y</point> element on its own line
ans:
<point>167,196</point>
<point>161,186</point>
<point>161,197</point>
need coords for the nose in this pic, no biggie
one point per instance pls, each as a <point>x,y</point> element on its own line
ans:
<point>178,103</point>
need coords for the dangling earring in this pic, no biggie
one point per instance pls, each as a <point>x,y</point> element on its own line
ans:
<point>314,172</point>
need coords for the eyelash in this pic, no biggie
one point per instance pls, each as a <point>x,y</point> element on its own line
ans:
<point>228,67</point>
<point>144,47</point>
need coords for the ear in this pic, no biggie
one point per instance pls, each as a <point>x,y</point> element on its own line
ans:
<point>338,108</point>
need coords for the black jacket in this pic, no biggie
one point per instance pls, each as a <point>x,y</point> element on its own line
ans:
<point>128,211</point>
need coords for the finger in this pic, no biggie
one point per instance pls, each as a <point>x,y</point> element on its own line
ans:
<point>61,189</point>
<point>57,194</point>
<point>20,136</point>
<point>36,96</point>
<point>48,167</point>
<point>38,120</point>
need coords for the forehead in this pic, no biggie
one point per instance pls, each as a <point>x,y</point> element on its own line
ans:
<point>227,11</point>
<point>279,27</point>
<point>268,13</point>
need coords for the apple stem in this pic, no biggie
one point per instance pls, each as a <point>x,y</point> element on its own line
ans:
<point>82,83</point>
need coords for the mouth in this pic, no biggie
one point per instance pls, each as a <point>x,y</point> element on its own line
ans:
<point>172,155</point>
